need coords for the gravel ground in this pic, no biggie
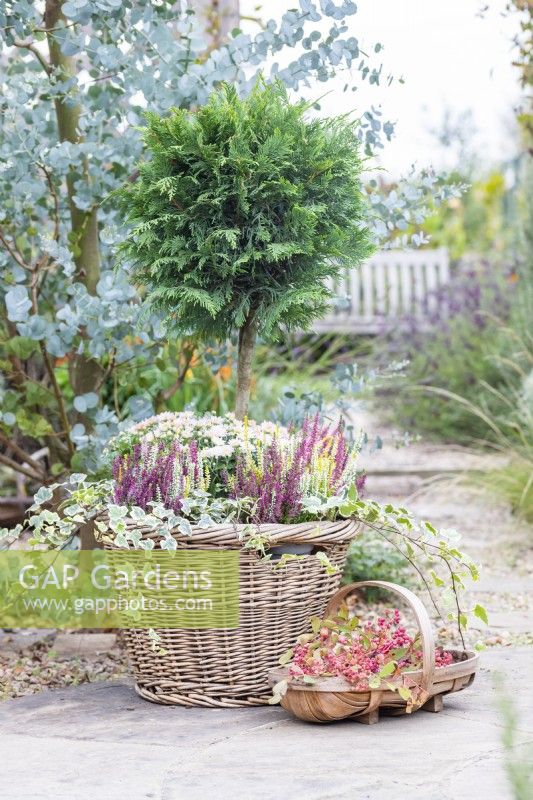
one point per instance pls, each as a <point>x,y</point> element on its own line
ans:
<point>25,670</point>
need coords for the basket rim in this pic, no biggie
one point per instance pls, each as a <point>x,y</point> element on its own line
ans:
<point>314,532</point>
<point>463,667</point>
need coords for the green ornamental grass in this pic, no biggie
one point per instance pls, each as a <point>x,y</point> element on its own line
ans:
<point>241,213</point>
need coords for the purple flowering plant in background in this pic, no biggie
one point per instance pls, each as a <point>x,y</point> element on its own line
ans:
<point>452,351</point>
<point>473,296</point>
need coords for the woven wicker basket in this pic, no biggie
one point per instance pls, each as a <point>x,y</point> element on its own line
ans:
<point>228,668</point>
<point>332,699</point>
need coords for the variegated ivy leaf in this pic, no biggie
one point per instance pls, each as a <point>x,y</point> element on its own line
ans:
<point>312,503</point>
<point>73,510</point>
<point>77,477</point>
<point>116,513</point>
<point>119,529</point>
<point>121,541</point>
<point>66,526</point>
<point>146,544</point>
<point>330,568</point>
<point>278,691</point>
<point>169,544</point>
<point>43,495</point>
<point>159,511</point>
<point>186,506</point>
<point>135,537</point>
<point>185,527</point>
<point>173,520</point>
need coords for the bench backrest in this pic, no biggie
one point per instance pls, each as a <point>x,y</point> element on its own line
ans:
<point>390,285</point>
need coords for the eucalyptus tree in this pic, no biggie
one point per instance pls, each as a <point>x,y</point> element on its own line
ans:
<point>77,75</point>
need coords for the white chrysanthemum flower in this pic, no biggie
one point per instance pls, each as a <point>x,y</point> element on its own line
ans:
<point>219,451</point>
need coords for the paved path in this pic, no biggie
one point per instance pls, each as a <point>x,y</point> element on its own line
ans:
<point>430,479</point>
<point>102,741</point>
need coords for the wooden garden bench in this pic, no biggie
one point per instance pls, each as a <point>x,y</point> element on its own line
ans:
<point>390,285</point>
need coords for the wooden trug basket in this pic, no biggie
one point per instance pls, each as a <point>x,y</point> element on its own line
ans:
<point>333,698</point>
<point>227,668</point>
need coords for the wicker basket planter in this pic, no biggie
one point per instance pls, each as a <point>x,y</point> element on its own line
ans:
<point>334,698</point>
<point>228,668</point>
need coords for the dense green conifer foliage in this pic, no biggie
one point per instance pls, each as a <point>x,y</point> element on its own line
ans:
<point>242,211</point>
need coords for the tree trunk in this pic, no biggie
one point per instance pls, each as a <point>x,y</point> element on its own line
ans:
<point>84,223</point>
<point>85,372</point>
<point>245,356</point>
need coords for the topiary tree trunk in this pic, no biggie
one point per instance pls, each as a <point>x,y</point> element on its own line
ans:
<point>247,336</point>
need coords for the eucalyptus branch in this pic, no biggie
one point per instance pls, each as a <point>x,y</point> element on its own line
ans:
<point>59,397</point>
<point>18,370</point>
<point>108,370</point>
<point>13,252</point>
<point>104,77</point>
<point>26,457</point>
<point>30,46</point>
<point>55,198</point>
<point>58,28</point>
<point>178,383</point>
<point>61,407</point>
<point>9,462</point>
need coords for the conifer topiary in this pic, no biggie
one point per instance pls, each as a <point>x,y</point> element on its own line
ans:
<point>243,211</point>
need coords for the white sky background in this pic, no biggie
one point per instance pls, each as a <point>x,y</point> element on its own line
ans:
<point>449,57</point>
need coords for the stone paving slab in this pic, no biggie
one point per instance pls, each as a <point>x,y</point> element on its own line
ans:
<point>102,740</point>
<point>72,645</point>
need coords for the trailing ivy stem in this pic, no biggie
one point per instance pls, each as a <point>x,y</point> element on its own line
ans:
<point>245,356</point>
<point>459,612</point>
<point>413,563</point>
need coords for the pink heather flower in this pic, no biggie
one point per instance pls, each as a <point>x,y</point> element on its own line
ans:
<point>314,459</point>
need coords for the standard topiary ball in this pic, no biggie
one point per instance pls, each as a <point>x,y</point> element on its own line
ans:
<point>244,210</point>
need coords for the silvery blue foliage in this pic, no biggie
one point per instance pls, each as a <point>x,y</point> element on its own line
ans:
<point>17,303</point>
<point>129,56</point>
